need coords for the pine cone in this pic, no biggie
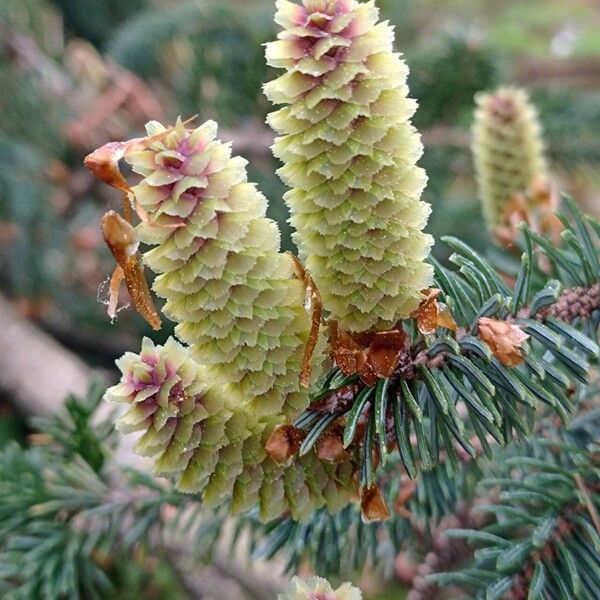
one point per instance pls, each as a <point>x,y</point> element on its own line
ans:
<point>234,296</point>
<point>350,156</point>
<point>205,438</point>
<point>507,148</point>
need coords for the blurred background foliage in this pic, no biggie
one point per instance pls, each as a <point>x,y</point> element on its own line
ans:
<point>77,73</point>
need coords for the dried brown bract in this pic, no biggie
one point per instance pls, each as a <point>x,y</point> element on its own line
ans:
<point>504,339</point>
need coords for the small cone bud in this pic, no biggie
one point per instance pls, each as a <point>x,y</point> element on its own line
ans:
<point>504,339</point>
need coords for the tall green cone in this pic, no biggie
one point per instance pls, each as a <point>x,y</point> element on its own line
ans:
<point>350,154</point>
<point>234,296</point>
<point>507,149</point>
<point>317,588</point>
<point>209,443</point>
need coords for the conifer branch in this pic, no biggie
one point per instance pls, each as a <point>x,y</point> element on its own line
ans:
<point>489,366</point>
<point>542,539</point>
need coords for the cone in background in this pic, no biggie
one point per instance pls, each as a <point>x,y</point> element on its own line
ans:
<point>316,588</point>
<point>508,151</point>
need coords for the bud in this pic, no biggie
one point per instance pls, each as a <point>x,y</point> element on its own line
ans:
<point>504,339</point>
<point>508,150</point>
<point>317,588</point>
<point>372,505</point>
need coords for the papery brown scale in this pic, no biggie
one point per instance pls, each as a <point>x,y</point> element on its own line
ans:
<point>349,355</point>
<point>385,350</point>
<point>504,339</point>
<point>373,506</point>
<point>330,446</point>
<point>445,317</point>
<point>120,237</point>
<point>346,350</point>
<point>432,314</point>
<point>367,375</point>
<point>115,283</point>
<point>284,443</point>
<point>104,164</point>
<point>314,306</point>
<point>426,314</point>
<point>373,355</point>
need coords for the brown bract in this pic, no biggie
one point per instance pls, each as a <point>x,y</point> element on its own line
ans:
<point>373,505</point>
<point>330,446</point>
<point>504,339</point>
<point>373,355</point>
<point>432,314</point>
<point>120,237</point>
<point>284,443</point>
<point>314,306</point>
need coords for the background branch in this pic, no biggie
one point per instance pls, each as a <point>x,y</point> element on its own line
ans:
<point>35,371</point>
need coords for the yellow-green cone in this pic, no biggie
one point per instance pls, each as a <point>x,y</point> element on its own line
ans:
<point>350,154</point>
<point>508,150</point>
<point>233,295</point>
<point>204,438</point>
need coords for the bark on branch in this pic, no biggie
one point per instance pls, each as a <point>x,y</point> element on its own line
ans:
<point>35,371</point>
